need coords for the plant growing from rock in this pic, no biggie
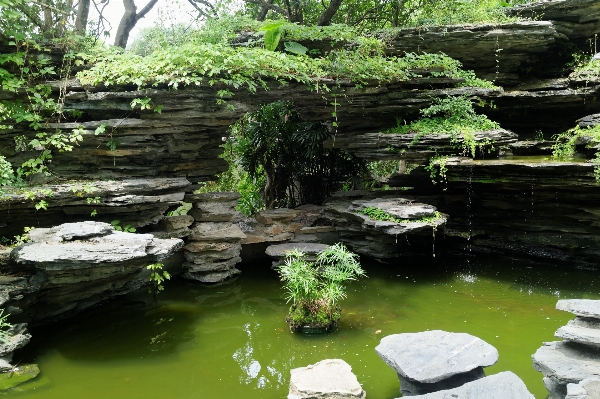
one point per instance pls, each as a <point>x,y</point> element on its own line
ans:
<point>4,327</point>
<point>315,288</point>
<point>157,278</point>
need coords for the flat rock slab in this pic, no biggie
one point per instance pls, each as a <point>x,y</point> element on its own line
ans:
<point>586,389</point>
<point>580,334</point>
<point>567,362</point>
<point>399,208</point>
<point>580,307</point>
<point>279,250</point>
<point>505,385</point>
<point>432,356</point>
<point>20,375</point>
<point>281,215</point>
<point>330,378</point>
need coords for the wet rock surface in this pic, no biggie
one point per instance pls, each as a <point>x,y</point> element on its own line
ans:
<point>580,307</point>
<point>505,385</point>
<point>435,360</point>
<point>327,379</point>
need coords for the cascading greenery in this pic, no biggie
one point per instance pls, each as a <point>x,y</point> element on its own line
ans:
<point>316,288</point>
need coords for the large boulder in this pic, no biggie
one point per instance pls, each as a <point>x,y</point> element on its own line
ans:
<point>327,379</point>
<point>70,267</point>
<point>586,389</point>
<point>434,360</point>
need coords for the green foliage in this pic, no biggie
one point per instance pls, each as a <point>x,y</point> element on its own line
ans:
<point>437,166</point>
<point>7,176</point>
<point>454,116</point>
<point>201,63</point>
<point>127,228</point>
<point>4,327</point>
<point>274,144</point>
<point>157,278</point>
<point>566,143</point>
<point>586,71</point>
<point>315,288</point>
<point>379,214</point>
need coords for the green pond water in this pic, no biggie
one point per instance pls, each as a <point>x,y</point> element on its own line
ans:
<point>231,341</point>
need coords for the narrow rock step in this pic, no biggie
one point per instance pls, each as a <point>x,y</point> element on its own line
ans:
<point>580,334</point>
<point>580,307</point>
<point>566,362</point>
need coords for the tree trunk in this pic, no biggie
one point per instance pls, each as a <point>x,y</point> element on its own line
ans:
<point>328,14</point>
<point>129,19</point>
<point>264,10</point>
<point>48,20</point>
<point>81,21</point>
<point>399,5</point>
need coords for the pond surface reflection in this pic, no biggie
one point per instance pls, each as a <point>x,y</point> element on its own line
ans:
<point>231,341</point>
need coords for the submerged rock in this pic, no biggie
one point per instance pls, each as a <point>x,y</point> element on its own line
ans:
<point>505,385</point>
<point>327,379</point>
<point>18,376</point>
<point>434,360</point>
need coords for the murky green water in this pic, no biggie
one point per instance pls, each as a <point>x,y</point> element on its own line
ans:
<point>231,341</point>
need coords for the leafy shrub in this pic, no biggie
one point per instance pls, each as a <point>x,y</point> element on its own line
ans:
<point>315,288</point>
<point>452,115</point>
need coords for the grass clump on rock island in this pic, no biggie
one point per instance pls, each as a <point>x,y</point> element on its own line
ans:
<point>454,116</point>
<point>381,215</point>
<point>315,288</point>
<point>565,146</point>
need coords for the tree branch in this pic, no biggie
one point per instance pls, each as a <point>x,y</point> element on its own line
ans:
<point>329,12</point>
<point>145,10</point>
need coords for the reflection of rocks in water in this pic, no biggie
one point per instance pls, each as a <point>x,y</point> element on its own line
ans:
<point>252,370</point>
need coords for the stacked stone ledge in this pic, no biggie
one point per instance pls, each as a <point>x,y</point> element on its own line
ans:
<point>214,242</point>
<point>571,367</point>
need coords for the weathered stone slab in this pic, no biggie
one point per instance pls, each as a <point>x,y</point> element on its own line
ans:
<point>279,250</point>
<point>566,362</point>
<point>18,338</point>
<point>216,231</point>
<point>580,307</point>
<point>586,389</point>
<point>175,223</point>
<point>505,385</point>
<point>327,379</point>
<point>577,333</point>
<point>281,215</point>
<point>212,277</point>
<point>433,356</point>
<point>398,208</point>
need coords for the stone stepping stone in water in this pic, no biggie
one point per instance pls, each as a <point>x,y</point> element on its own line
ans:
<point>18,376</point>
<point>330,378</point>
<point>505,385</point>
<point>580,307</point>
<point>586,389</point>
<point>585,331</point>
<point>566,362</point>
<point>431,361</point>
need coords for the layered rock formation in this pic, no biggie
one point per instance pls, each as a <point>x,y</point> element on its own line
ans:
<point>68,268</point>
<point>571,367</point>
<point>413,233</point>
<point>214,243</point>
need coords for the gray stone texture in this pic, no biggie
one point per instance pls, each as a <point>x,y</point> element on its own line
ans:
<point>504,385</point>
<point>566,362</point>
<point>327,379</point>
<point>70,267</point>
<point>580,307</point>
<point>586,389</point>
<point>433,356</point>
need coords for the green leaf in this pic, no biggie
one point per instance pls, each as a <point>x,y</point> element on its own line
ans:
<point>295,48</point>
<point>272,38</point>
